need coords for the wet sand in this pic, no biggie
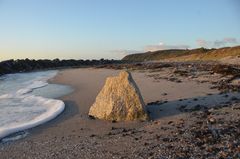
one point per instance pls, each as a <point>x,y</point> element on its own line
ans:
<point>74,135</point>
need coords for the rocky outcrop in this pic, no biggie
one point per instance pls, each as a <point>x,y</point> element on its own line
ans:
<point>119,100</point>
<point>26,65</point>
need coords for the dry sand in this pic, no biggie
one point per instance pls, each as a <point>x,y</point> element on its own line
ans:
<point>74,135</point>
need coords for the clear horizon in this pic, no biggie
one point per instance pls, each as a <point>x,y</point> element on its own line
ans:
<point>106,29</point>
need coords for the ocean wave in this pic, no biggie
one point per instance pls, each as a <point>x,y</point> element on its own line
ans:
<point>20,109</point>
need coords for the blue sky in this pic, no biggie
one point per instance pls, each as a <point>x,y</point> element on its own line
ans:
<point>91,29</point>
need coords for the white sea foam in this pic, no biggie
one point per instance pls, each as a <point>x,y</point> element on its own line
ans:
<point>20,109</point>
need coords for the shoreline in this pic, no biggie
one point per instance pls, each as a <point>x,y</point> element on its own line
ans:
<point>31,108</point>
<point>72,134</point>
<point>72,109</point>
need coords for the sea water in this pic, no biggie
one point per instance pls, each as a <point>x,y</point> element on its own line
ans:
<point>28,100</point>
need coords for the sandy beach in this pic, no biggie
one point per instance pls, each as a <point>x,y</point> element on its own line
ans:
<point>170,103</point>
<point>123,79</point>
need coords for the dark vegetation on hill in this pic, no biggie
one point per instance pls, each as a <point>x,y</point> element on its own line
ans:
<point>26,65</point>
<point>185,55</point>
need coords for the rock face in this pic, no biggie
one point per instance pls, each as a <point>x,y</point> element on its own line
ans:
<point>119,100</point>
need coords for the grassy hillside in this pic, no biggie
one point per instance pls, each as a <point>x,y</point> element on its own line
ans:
<point>186,55</point>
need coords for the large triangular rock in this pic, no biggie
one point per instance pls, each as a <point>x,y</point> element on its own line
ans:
<point>119,100</point>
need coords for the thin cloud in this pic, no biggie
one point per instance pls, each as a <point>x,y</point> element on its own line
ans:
<point>123,52</point>
<point>217,43</point>
<point>225,41</point>
<point>230,40</point>
<point>203,43</point>
<point>162,46</point>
